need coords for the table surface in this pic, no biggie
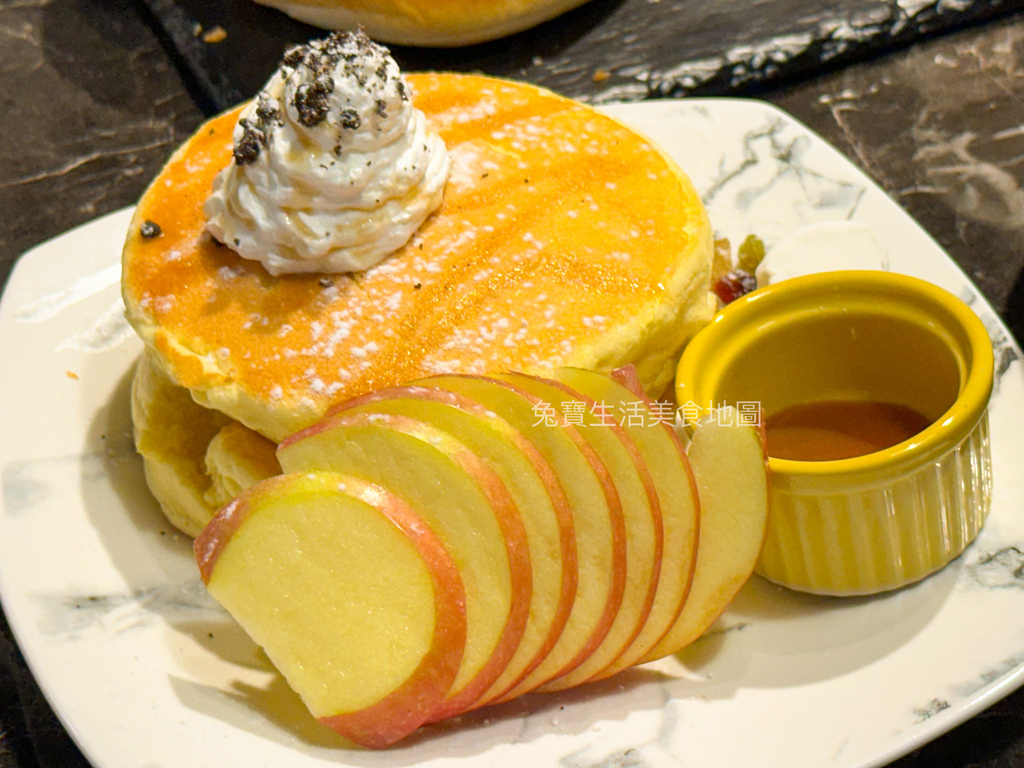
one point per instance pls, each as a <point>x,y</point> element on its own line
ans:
<point>95,95</point>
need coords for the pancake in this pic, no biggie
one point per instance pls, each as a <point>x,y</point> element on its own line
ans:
<point>440,23</point>
<point>564,239</point>
<point>195,459</point>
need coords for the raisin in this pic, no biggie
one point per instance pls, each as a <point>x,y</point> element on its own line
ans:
<point>733,285</point>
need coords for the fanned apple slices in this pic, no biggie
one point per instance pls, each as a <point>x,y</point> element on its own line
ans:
<point>597,517</point>
<point>463,500</point>
<point>725,454</point>
<point>652,431</point>
<point>641,513</point>
<point>536,492</point>
<point>734,517</point>
<point>577,532</point>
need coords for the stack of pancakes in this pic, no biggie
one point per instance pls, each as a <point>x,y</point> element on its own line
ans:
<point>564,238</point>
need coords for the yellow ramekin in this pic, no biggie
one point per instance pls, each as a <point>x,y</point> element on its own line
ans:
<point>879,521</point>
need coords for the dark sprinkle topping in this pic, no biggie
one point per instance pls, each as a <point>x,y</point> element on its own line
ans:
<point>311,100</point>
<point>339,54</point>
<point>349,118</point>
<point>326,282</point>
<point>150,229</point>
<point>248,147</point>
<point>294,56</point>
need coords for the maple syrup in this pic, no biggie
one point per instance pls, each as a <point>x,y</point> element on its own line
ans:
<point>827,430</point>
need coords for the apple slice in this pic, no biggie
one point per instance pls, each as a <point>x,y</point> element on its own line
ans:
<point>597,519</point>
<point>665,458</point>
<point>731,468</point>
<point>352,596</point>
<point>536,492</point>
<point>465,503</point>
<point>641,514</point>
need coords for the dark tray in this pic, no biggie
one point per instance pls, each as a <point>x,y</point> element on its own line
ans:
<point>605,50</point>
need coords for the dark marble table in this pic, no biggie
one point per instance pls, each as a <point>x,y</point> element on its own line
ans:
<point>92,104</point>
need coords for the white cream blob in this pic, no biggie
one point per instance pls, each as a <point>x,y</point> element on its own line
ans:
<point>334,167</point>
<point>823,247</point>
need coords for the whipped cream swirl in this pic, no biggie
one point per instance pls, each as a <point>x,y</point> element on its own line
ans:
<point>333,168</point>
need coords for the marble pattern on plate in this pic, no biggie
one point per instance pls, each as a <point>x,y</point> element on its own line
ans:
<point>132,591</point>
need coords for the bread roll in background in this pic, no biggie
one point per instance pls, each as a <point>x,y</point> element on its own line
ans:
<point>430,23</point>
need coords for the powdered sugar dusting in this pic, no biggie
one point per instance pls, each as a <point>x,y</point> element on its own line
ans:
<point>519,269</point>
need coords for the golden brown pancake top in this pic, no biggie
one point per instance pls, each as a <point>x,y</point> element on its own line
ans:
<point>563,238</point>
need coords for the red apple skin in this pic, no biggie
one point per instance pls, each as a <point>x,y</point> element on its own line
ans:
<point>559,503</point>
<point>617,587</point>
<point>618,590</point>
<point>515,545</point>
<point>627,376</point>
<point>655,511</point>
<point>407,708</point>
<point>724,597</point>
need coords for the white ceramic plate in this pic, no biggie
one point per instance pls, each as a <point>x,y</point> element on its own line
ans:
<point>145,671</point>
